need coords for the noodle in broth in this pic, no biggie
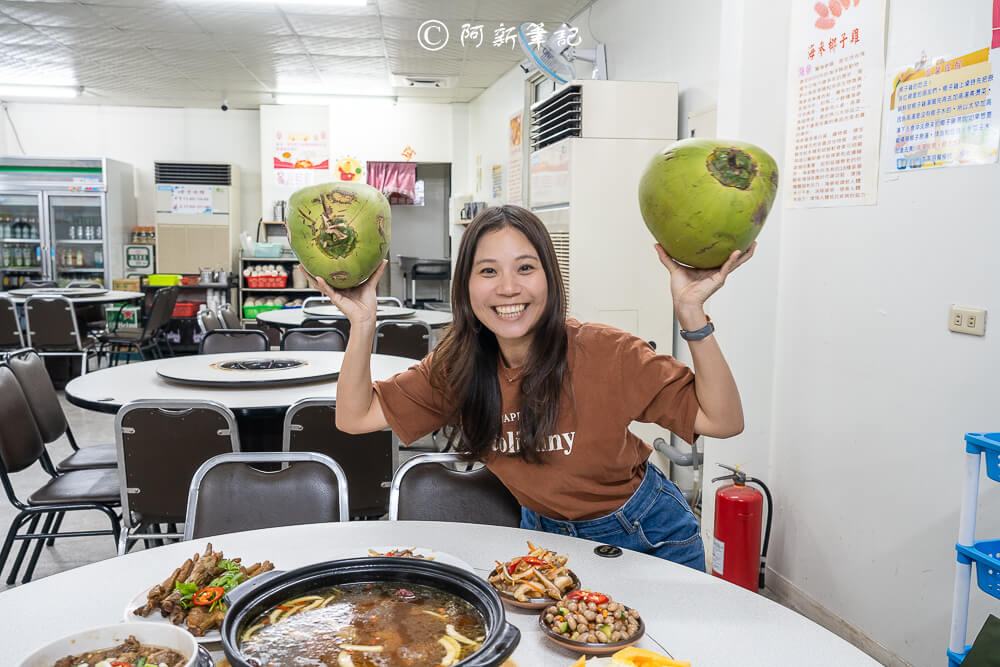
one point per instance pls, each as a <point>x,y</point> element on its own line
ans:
<point>383,624</point>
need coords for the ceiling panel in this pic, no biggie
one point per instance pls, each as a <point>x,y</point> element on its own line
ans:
<point>321,25</point>
<point>51,14</point>
<point>197,52</point>
<point>242,23</point>
<point>159,19</point>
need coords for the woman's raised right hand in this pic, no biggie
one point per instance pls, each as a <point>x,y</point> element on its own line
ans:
<point>358,304</point>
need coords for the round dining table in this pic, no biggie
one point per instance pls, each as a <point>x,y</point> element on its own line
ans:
<point>293,317</point>
<point>259,408</point>
<point>108,296</point>
<point>688,615</point>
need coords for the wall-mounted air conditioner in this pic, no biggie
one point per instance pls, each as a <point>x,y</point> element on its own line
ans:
<point>197,216</point>
<point>589,142</point>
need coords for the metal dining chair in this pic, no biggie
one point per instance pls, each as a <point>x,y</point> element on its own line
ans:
<point>208,321</point>
<point>234,340</point>
<point>229,318</point>
<point>33,377</point>
<point>11,336</point>
<point>328,339</point>
<point>21,446</point>
<point>85,283</point>
<point>389,300</point>
<point>426,489</point>
<point>402,338</point>
<point>35,284</point>
<point>366,458</point>
<point>53,329</point>
<point>228,494</point>
<point>160,446</point>
<point>148,337</point>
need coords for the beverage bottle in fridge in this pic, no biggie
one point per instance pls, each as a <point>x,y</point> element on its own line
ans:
<point>38,256</point>
<point>6,256</point>
<point>98,230</point>
<point>79,257</point>
<point>18,261</point>
<point>99,259</point>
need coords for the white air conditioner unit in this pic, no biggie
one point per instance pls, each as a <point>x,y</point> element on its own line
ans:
<point>197,216</point>
<point>589,143</point>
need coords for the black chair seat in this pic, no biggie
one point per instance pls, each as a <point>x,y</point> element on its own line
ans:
<point>87,458</point>
<point>79,486</point>
<point>125,335</point>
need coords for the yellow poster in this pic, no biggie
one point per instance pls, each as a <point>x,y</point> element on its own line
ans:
<point>942,115</point>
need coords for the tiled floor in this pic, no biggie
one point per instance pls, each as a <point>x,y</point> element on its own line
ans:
<point>89,428</point>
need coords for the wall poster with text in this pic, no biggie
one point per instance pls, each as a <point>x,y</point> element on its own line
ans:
<point>834,102</point>
<point>940,114</point>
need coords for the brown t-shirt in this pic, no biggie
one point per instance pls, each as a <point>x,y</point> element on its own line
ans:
<point>592,463</point>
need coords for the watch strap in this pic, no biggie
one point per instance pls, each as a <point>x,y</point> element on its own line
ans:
<point>699,334</point>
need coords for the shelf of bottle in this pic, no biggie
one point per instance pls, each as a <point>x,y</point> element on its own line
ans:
<point>278,289</point>
<point>77,241</point>
<point>20,240</point>
<point>270,259</point>
<point>79,269</point>
<point>21,269</point>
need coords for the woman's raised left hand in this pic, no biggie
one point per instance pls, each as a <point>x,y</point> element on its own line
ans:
<point>690,287</point>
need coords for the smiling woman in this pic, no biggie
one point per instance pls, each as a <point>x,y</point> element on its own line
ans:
<point>546,401</point>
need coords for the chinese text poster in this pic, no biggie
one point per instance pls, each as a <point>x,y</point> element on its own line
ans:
<point>834,98</point>
<point>515,165</point>
<point>941,115</point>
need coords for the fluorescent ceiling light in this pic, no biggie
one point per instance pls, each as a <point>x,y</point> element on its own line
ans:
<point>322,100</point>
<point>18,90</point>
<point>329,3</point>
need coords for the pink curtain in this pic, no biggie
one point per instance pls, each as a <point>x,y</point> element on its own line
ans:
<point>396,180</point>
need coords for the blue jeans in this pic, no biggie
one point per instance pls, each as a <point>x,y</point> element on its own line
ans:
<point>656,520</point>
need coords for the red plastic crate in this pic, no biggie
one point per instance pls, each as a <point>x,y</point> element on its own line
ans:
<point>185,309</point>
<point>267,282</point>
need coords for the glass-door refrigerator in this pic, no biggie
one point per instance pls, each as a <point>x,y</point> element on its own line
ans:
<point>64,219</point>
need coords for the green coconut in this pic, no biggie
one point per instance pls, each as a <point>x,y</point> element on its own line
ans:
<point>704,198</point>
<point>339,231</point>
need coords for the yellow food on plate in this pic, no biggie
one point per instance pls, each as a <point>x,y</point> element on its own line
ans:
<point>640,657</point>
<point>582,662</point>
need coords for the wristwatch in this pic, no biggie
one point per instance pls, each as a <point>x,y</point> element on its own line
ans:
<point>701,333</point>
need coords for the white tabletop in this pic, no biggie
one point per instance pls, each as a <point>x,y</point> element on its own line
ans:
<point>693,616</point>
<point>111,296</point>
<point>108,389</point>
<point>292,317</point>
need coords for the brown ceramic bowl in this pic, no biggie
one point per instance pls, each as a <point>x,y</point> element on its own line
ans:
<point>587,647</point>
<point>533,603</point>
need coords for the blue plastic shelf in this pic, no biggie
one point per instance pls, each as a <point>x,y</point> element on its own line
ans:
<point>986,555</point>
<point>989,445</point>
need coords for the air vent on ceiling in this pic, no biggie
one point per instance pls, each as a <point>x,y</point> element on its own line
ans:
<point>422,81</point>
<point>192,173</point>
<point>557,117</point>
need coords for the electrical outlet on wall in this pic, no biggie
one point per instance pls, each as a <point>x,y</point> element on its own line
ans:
<point>967,320</point>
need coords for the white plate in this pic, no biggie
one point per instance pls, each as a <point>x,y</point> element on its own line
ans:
<point>155,617</point>
<point>426,552</point>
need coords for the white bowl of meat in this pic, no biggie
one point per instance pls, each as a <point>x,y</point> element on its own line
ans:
<point>133,644</point>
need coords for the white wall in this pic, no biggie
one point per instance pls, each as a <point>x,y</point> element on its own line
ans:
<point>141,136</point>
<point>856,397</point>
<point>841,320</point>
<point>367,129</point>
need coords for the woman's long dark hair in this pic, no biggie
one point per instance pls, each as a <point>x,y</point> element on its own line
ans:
<point>464,363</point>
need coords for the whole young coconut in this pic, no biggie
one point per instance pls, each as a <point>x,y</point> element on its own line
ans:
<point>339,231</point>
<point>704,198</point>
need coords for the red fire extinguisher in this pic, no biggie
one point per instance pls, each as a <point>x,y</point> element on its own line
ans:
<point>737,556</point>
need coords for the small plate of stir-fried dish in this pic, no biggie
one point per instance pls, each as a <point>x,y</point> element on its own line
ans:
<point>192,596</point>
<point>424,553</point>
<point>534,580</point>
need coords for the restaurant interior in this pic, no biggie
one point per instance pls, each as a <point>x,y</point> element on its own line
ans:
<point>168,375</point>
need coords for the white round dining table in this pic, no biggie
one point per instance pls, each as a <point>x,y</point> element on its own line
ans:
<point>293,317</point>
<point>689,615</point>
<point>111,296</point>
<point>108,389</point>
